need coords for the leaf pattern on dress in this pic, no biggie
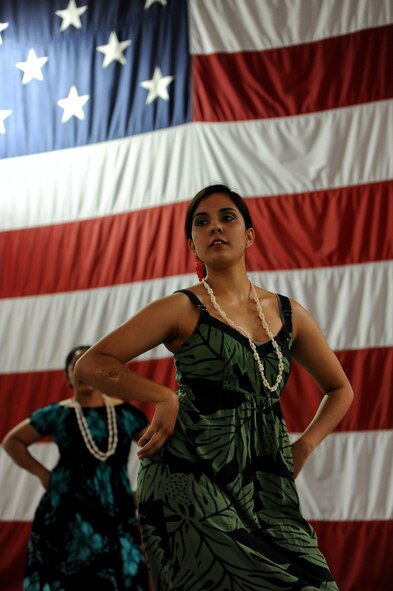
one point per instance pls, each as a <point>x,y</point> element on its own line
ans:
<point>218,505</point>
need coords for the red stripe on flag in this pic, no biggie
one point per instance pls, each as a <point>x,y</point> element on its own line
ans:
<point>327,74</point>
<point>319,229</point>
<point>356,552</point>
<point>23,393</point>
<point>14,536</point>
<point>371,410</point>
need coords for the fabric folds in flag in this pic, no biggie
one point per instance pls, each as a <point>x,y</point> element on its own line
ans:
<point>112,116</point>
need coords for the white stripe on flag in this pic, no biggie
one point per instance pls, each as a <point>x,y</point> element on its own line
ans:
<point>254,25</point>
<point>348,477</point>
<point>349,303</point>
<point>335,148</point>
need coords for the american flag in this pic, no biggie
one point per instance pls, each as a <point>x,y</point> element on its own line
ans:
<point>112,115</point>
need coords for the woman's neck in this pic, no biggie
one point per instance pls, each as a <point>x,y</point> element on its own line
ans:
<point>230,284</point>
<point>91,398</point>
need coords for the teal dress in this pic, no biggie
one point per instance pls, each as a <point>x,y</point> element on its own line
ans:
<point>218,505</point>
<point>85,533</point>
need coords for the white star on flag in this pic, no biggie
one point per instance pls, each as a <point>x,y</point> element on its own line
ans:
<point>31,68</point>
<point>150,2</point>
<point>3,27</point>
<point>71,15</point>
<point>73,105</point>
<point>4,113</point>
<point>114,50</point>
<point>157,86</point>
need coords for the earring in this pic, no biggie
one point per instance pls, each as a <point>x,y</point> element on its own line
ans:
<point>200,268</point>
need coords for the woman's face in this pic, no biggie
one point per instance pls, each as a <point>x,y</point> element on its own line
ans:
<point>219,234</point>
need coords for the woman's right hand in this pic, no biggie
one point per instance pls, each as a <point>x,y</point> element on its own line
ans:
<point>44,478</point>
<point>161,427</point>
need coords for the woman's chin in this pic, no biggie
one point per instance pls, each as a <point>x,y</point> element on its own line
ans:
<point>84,389</point>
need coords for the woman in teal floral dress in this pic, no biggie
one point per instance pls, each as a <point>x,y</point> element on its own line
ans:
<point>218,504</point>
<point>85,533</point>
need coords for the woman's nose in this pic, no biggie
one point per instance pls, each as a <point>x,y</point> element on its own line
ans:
<point>215,227</point>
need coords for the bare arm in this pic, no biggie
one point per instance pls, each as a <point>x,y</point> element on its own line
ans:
<point>103,365</point>
<point>16,444</point>
<point>312,352</point>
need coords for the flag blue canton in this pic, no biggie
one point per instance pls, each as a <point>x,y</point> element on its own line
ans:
<point>93,81</point>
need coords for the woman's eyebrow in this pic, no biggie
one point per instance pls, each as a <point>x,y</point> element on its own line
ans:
<point>221,210</point>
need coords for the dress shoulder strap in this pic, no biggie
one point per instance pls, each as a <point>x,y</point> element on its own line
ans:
<point>195,300</point>
<point>286,310</point>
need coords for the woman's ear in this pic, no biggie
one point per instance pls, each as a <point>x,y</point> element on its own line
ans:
<point>191,245</point>
<point>250,237</point>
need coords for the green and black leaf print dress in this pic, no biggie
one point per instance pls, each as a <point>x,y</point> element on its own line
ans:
<point>218,506</point>
<point>85,534</point>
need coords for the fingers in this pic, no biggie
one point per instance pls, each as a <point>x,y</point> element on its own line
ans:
<point>151,445</point>
<point>160,429</point>
<point>146,435</point>
<point>45,480</point>
<point>143,436</point>
<point>152,440</point>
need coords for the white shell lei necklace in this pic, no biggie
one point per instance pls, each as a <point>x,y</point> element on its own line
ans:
<point>246,334</point>
<point>87,436</point>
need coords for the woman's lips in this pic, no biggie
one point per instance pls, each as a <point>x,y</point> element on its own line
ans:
<point>218,243</point>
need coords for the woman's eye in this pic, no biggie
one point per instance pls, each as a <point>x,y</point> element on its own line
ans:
<point>200,222</point>
<point>228,218</point>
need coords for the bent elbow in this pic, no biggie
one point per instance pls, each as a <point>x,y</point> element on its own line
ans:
<point>101,370</point>
<point>6,443</point>
<point>82,369</point>
<point>351,395</point>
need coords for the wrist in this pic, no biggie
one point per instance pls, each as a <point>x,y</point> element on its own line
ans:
<point>168,395</point>
<point>41,472</point>
<point>306,444</point>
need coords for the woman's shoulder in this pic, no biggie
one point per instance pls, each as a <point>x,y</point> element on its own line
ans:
<point>194,294</point>
<point>117,401</point>
<point>169,305</point>
<point>195,288</point>
<point>68,402</point>
<point>184,292</point>
<point>48,408</point>
<point>304,322</point>
<point>45,418</point>
<point>271,296</point>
